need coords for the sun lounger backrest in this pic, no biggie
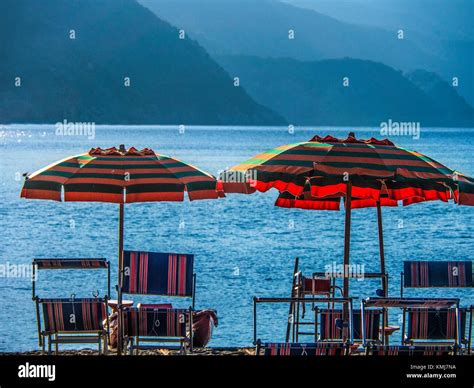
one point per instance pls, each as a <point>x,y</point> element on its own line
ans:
<point>70,263</point>
<point>434,324</point>
<point>73,315</point>
<point>151,322</point>
<point>411,302</point>
<point>424,274</point>
<point>151,273</point>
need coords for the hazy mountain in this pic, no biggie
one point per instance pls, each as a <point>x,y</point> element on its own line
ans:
<point>443,29</point>
<point>260,28</point>
<point>444,97</point>
<point>172,81</point>
<point>313,92</point>
<point>443,19</point>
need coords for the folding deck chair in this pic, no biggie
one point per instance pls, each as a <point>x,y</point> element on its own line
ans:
<point>381,350</point>
<point>316,348</point>
<point>437,325</point>
<point>301,349</point>
<point>71,320</point>
<point>419,325</point>
<point>306,288</point>
<point>159,274</point>
<point>144,325</point>
<point>330,331</point>
<point>326,321</point>
<point>303,287</point>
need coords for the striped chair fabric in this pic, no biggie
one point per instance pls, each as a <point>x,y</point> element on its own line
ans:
<point>433,324</point>
<point>153,322</point>
<point>150,273</point>
<point>411,302</point>
<point>411,350</point>
<point>329,331</point>
<point>303,349</point>
<point>423,274</point>
<point>73,315</point>
<point>70,263</point>
<point>315,286</point>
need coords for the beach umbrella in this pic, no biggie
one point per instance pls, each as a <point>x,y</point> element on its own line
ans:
<point>318,173</point>
<point>120,176</point>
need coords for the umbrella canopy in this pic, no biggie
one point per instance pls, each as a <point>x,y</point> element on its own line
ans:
<point>120,176</point>
<point>378,170</point>
<point>316,174</point>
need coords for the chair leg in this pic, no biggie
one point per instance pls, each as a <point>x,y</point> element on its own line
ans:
<point>129,343</point>
<point>105,344</point>
<point>469,343</point>
<point>56,345</point>
<point>49,345</point>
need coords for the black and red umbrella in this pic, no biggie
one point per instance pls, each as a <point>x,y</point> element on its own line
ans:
<point>120,176</point>
<point>318,173</point>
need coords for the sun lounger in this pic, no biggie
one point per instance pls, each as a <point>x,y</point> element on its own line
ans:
<point>425,326</point>
<point>344,325</point>
<point>419,311</point>
<point>411,350</point>
<point>159,274</point>
<point>438,274</point>
<point>47,316</point>
<point>301,349</point>
<point>72,321</point>
<point>331,332</point>
<point>307,287</point>
<point>323,284</point>
<point>145,327</point>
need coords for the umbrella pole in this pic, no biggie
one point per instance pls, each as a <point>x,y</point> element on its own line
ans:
<point>381,248</point>
<point>347,239</point>
<point>120,269</point>
<point>347,242</point>
<point>382,267</point>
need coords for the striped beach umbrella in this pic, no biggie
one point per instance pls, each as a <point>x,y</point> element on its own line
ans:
<point>318,173</point>
<point>120,176</point>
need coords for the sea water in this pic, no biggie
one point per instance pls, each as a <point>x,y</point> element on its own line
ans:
<point>243,245</point>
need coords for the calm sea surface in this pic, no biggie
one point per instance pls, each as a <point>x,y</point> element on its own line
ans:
<point>244,246</point>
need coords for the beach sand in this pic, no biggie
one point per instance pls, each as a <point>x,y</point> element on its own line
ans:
<point>163,352</point>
